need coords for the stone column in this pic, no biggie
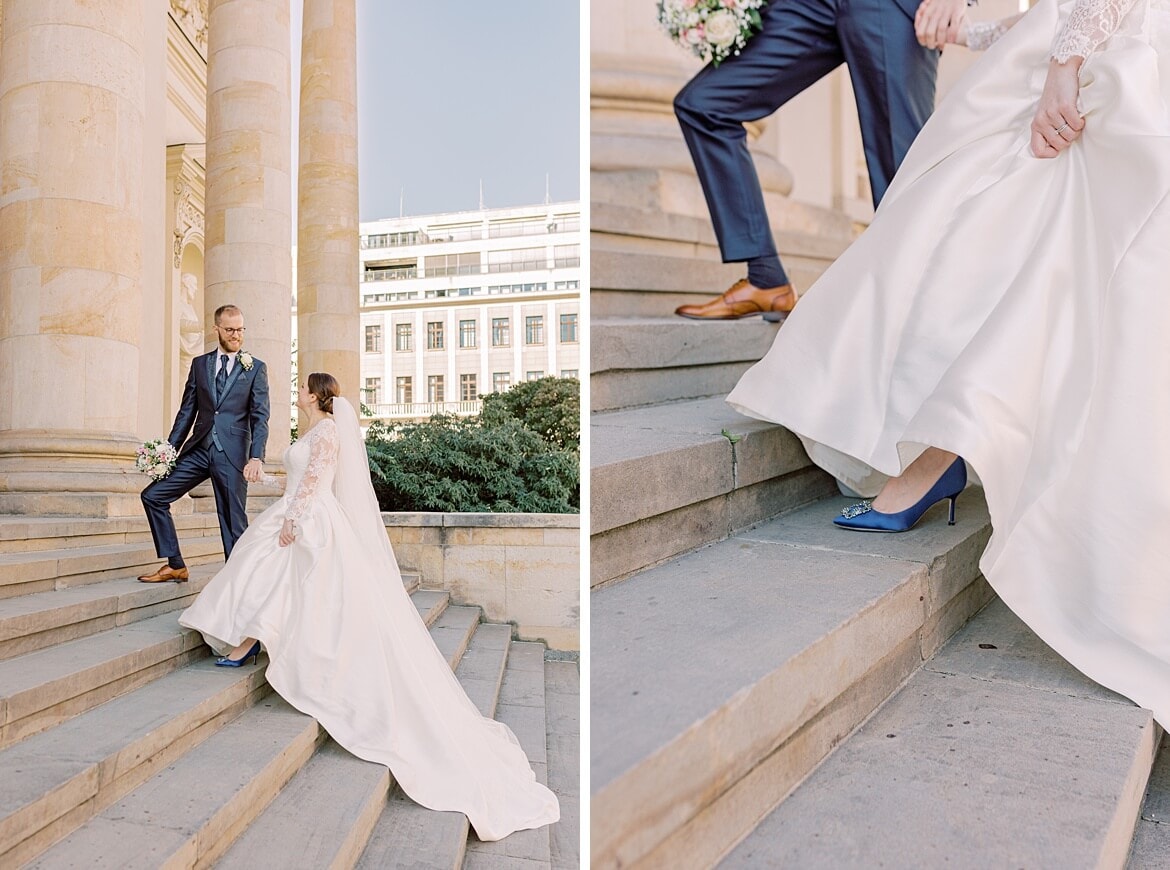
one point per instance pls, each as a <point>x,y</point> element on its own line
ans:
<point>328,304</point>
<point>248,221</point>
<point>72,103</point>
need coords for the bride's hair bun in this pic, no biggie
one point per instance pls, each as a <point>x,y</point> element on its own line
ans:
<point>324,387</point>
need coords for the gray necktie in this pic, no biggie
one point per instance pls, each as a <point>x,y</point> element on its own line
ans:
<point>221,377</point>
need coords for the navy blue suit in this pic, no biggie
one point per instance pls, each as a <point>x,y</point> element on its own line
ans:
<point>802,41</point>
<point>226,431</point>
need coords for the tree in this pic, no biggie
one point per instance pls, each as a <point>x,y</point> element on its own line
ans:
<point>549,406</point>
<point>452,463</point>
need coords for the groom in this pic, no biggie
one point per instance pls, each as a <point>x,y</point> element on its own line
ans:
<point>889,48</point>
<point>226,400</point>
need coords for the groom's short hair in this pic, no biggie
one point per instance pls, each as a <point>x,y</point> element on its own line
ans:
<point>225,309</point>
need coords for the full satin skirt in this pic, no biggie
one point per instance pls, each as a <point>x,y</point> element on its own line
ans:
<point>1015,311</point>
<point>347,647</point>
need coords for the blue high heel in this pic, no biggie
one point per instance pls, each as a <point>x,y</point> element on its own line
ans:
<point>863,518</point>
<point>253,654</point>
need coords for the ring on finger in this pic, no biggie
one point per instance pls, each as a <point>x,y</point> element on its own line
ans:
<point>1061,128</point>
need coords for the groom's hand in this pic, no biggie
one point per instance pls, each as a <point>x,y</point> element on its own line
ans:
<point>254,471</point>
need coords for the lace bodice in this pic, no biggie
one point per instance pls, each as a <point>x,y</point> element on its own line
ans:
<point>311,464</point>
<point>1090,24</point>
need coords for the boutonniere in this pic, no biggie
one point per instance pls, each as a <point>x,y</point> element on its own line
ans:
<point>245,359</point>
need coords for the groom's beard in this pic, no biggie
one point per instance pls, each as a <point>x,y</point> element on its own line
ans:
<point>231,345</point>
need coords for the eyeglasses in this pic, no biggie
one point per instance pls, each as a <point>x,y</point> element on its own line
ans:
<point>231,330</point>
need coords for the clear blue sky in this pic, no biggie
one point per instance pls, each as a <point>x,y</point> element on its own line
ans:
<point>454,91</point>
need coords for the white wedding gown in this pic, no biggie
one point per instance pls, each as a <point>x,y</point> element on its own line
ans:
<point>1016,311</point>
<point>347,646</point>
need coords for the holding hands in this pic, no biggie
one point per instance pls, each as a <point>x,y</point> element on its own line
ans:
<point>938,22</point>
<point>1058,123</point>
<point>254,470</point>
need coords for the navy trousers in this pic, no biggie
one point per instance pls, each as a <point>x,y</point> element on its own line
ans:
<point>192,468</point>
<point>801,42</point>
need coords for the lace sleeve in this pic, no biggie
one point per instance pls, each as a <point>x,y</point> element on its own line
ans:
<point>1090,24</point>
<point>981,35</point>
<point>323,445</point>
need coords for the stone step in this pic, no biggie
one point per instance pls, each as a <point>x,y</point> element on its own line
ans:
<point>39,620</point>
<point>645,262</point>
<point>36,621</point>
<point>44,570</point>
<point>665,479</point>
<point>562,694</point>
<point>326,814</point>
<point>1151,841</point>
<point>722,678</point>
<point>408,835</point>
<point>188,814</point>
<point>996,733</point>
<point>42,688</point>
<point>58,778</point>
<point>522,708</point>
<point>650,360</point>
<point>22,534</point>
<point>146,730</point>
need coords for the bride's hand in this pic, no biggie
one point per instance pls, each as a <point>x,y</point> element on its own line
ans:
<point>1057,123</point>
<point>938,22</point>
<point>288,533</point>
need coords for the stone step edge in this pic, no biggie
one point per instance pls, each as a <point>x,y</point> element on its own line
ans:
<point>737,453</point>
<point>100,605</point>
<point>31,710</point>
<point>81,611</point>
<point>38,571</point>
<point>900,630</point>
<point>1118,838</point>
<point>36,826</point>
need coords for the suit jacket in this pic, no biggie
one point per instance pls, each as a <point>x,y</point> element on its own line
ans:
<point>239,418</point>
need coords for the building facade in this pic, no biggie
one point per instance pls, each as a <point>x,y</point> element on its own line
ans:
<point>457,305</point>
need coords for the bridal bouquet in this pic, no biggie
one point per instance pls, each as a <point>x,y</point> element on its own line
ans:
<point>711,29</point>
<point>156,458</point>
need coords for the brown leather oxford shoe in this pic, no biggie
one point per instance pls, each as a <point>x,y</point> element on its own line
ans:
<point>742,299</point>
<point>167,574</point>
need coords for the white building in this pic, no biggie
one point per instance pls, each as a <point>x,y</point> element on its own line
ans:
<point>458,305</point>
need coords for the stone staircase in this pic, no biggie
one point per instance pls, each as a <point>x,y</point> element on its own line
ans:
<point>122,745</point>
<point>770,691</point>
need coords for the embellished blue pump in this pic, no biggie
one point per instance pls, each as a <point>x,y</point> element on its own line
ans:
<point>253,654</point>
<point>862,517</point>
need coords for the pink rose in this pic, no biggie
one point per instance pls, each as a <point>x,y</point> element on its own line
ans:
<point>694,35</point>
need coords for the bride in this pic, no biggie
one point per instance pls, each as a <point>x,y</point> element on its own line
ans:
<point>314,579</point>
<point>1008,306</point>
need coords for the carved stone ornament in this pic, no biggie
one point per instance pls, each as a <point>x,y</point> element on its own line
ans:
<point>187,218</point>
<point>192,17</point>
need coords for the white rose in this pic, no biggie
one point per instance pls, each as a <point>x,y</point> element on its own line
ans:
<point>160,469</point>
<point>722,29</point>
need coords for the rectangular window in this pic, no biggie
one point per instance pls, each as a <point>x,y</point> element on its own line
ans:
<point>468,391</point>
<point>534,329</point>
<point>501,381</point>
<point>566,256</point>
<point>435,388</point>
<point>501,332</point>
<point>404,390</point>
<point>435,335</point>
<point>403,336</point>
<point>568,373</point>
<point>568,328</point>
<point>373,391</point>
<point>374,339</point>
<point>533,376</point>
<point>467,333</point>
